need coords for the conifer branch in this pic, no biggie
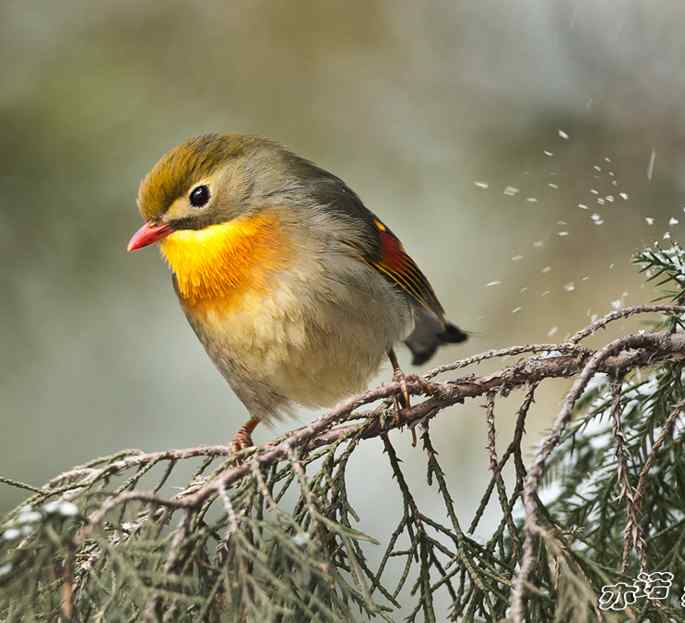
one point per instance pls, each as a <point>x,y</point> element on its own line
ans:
<point>269,533</point>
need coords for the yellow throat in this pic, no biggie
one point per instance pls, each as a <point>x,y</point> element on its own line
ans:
<point>221,263</point>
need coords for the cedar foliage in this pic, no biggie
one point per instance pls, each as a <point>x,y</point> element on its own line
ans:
<point>271,534</point>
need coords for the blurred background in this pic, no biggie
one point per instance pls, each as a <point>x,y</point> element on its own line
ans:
<point>522,151</point>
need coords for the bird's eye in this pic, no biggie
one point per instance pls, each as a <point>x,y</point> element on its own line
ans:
<point>199,196</point>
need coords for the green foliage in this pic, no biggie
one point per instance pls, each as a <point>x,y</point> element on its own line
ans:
<point>269,536</point>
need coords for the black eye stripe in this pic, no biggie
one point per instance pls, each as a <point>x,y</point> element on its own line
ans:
<point>199,196</point>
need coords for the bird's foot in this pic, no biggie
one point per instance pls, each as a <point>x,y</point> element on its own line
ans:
<point>243,438</point>
<point>241,441</point>
<point>402,400</point>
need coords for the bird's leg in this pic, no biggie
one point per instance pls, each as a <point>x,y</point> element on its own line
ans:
<point>243,438</point>
<point>398,375</point>
<point>402,401</point>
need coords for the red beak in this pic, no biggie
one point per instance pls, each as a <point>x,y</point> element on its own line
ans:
<point>148,234</point>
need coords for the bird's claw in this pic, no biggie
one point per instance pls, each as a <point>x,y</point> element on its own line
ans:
<point>241,441</point>
<point>402,401</point>
<point>243,438</point>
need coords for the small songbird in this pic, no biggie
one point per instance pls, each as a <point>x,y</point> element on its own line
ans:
<point>296,291</point>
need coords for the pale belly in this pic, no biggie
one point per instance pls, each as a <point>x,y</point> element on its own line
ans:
<point>279,350</point>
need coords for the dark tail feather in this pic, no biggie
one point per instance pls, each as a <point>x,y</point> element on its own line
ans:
<point>452,334</point>
<point>429,333</point>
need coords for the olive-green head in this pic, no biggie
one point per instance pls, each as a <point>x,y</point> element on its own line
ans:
<point>197,183</point>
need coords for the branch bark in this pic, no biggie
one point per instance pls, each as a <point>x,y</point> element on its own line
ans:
<point>642,349</point>
<point>371,414</point>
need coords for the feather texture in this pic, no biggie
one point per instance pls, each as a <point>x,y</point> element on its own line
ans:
<point>398,267</point>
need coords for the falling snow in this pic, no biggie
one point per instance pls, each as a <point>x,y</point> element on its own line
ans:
<point>538,243</point>
<point>563,135</point>
<point>570,286</point>
<point>483,185</point>
<point>516,258</point>
<point>650,166</point>
<point>546,269</point>
<point>531,199</point>
<point>562,233</point>
<point>649,220</point>
<point>582,206</point>
<point>490,284</point>
<point>516,310</point>
<point>551,185</point>
<point>548,153</point>
<point>623,196</point>
<point>673,221</point>
<point>552,331</point>
<point>511,191</point>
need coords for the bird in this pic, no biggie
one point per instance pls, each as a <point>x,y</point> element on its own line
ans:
<point>296,290</point>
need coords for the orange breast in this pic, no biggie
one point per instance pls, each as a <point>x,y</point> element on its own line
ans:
<point>216,266</point>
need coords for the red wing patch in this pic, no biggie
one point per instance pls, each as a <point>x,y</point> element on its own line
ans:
<point>396,266</point>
